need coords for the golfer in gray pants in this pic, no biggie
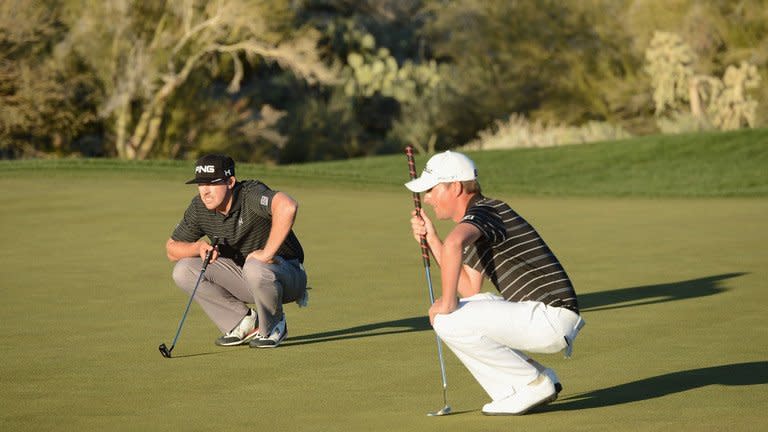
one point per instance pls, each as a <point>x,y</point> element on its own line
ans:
<point>258,260</point>
<point>266,286</point>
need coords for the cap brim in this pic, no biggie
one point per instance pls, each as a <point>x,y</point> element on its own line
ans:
<point>206,180</point>
<point>421,184</point>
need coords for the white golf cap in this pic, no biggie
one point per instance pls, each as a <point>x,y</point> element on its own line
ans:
<point>444,167</point>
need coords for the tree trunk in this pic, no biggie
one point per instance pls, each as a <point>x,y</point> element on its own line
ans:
<point>121,145</point>
<point>147,129</point>
<point>695,98</point>
<point>153,128</point>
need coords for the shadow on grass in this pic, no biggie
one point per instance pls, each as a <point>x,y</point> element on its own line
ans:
<point>605,300</point>
<point>197,354</point>
<point>739,374</point>
<point>591,302</point>
<point>652,294</point>
<point>405,325</point>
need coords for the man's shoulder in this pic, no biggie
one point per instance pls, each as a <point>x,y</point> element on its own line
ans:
<point>254,195</point>
<point>479,208</point>
<point>491,209</point>
<point>251,185</point>
<point>485,204</point>
<point>253,189</point>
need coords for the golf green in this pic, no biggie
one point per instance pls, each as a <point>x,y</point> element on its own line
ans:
<point>673,292</point>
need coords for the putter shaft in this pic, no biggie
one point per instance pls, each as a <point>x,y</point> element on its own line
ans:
<point>425,258</point>
<point>166,352</point>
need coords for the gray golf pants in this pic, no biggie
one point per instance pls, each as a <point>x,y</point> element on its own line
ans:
<point>226,289</point>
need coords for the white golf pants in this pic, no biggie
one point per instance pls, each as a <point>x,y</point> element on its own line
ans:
<point>488,335</point>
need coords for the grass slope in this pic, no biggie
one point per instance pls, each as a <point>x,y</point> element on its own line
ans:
<point>698,165</point>
<point>673,292</point>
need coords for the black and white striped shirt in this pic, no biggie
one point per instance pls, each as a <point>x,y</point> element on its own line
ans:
<point>243,230</point>
<point>512,255</point>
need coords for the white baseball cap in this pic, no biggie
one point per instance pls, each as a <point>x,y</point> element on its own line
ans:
<point>444,167</point>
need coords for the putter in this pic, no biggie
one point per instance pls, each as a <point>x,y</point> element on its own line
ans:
<point>445,410</point>
<point>164,350</point>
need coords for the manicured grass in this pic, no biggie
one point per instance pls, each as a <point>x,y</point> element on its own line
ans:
<point>673,291</point>
<point>700,165</point>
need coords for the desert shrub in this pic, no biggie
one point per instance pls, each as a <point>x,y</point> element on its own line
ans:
<point>518,132</point>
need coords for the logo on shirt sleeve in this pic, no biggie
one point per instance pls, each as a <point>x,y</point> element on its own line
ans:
<point>264,201</point>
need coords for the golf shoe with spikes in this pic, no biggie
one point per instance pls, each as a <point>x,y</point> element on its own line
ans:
<point>243,332</point>
<point>278,333</point>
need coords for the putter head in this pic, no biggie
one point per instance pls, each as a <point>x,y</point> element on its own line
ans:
<point>443,411</point>
<point>164,350</point>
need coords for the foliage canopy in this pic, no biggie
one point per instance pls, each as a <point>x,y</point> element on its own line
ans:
<point>295,81</point>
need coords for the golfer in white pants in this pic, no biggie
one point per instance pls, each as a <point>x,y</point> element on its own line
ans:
<point>536,311</point>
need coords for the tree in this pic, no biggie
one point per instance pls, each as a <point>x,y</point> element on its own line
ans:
<point>723,103</point>
<point>388,76</point>
<point>719,34</point>
<point>47,100</point>
<point>543,59</point>
<point>145,52</point>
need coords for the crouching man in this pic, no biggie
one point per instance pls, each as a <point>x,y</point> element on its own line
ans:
<point>536,311</point>
<point>258,260</point>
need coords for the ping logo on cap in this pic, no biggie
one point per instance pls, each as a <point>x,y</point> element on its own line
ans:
<point>213,168</point>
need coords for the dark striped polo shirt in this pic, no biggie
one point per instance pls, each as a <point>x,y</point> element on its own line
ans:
<point>512,255</point>
<point>243,230</point>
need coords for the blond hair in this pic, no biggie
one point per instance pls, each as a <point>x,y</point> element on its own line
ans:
<point>471,186</point>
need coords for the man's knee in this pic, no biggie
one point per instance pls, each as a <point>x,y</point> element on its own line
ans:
<point>443,326</point>
<point>185,272</point>
<point>456,326</point>
<point>258,274</point>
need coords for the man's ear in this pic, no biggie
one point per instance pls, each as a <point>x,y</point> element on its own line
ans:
<point>456,188</point>
<point>231,182</point>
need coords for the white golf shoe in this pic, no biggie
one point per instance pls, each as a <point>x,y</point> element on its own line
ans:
<point>243,332</point>
<point>538,392</point>
<point>278,333</point>
<point>555,380</point>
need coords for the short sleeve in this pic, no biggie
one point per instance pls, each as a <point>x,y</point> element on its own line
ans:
<point>488,221</point>
<point>259,197</point>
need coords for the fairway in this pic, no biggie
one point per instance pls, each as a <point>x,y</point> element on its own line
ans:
<point>673,292</point>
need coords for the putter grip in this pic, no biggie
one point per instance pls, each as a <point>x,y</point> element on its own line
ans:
<point>417,204</point>
<point>210,253</point>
